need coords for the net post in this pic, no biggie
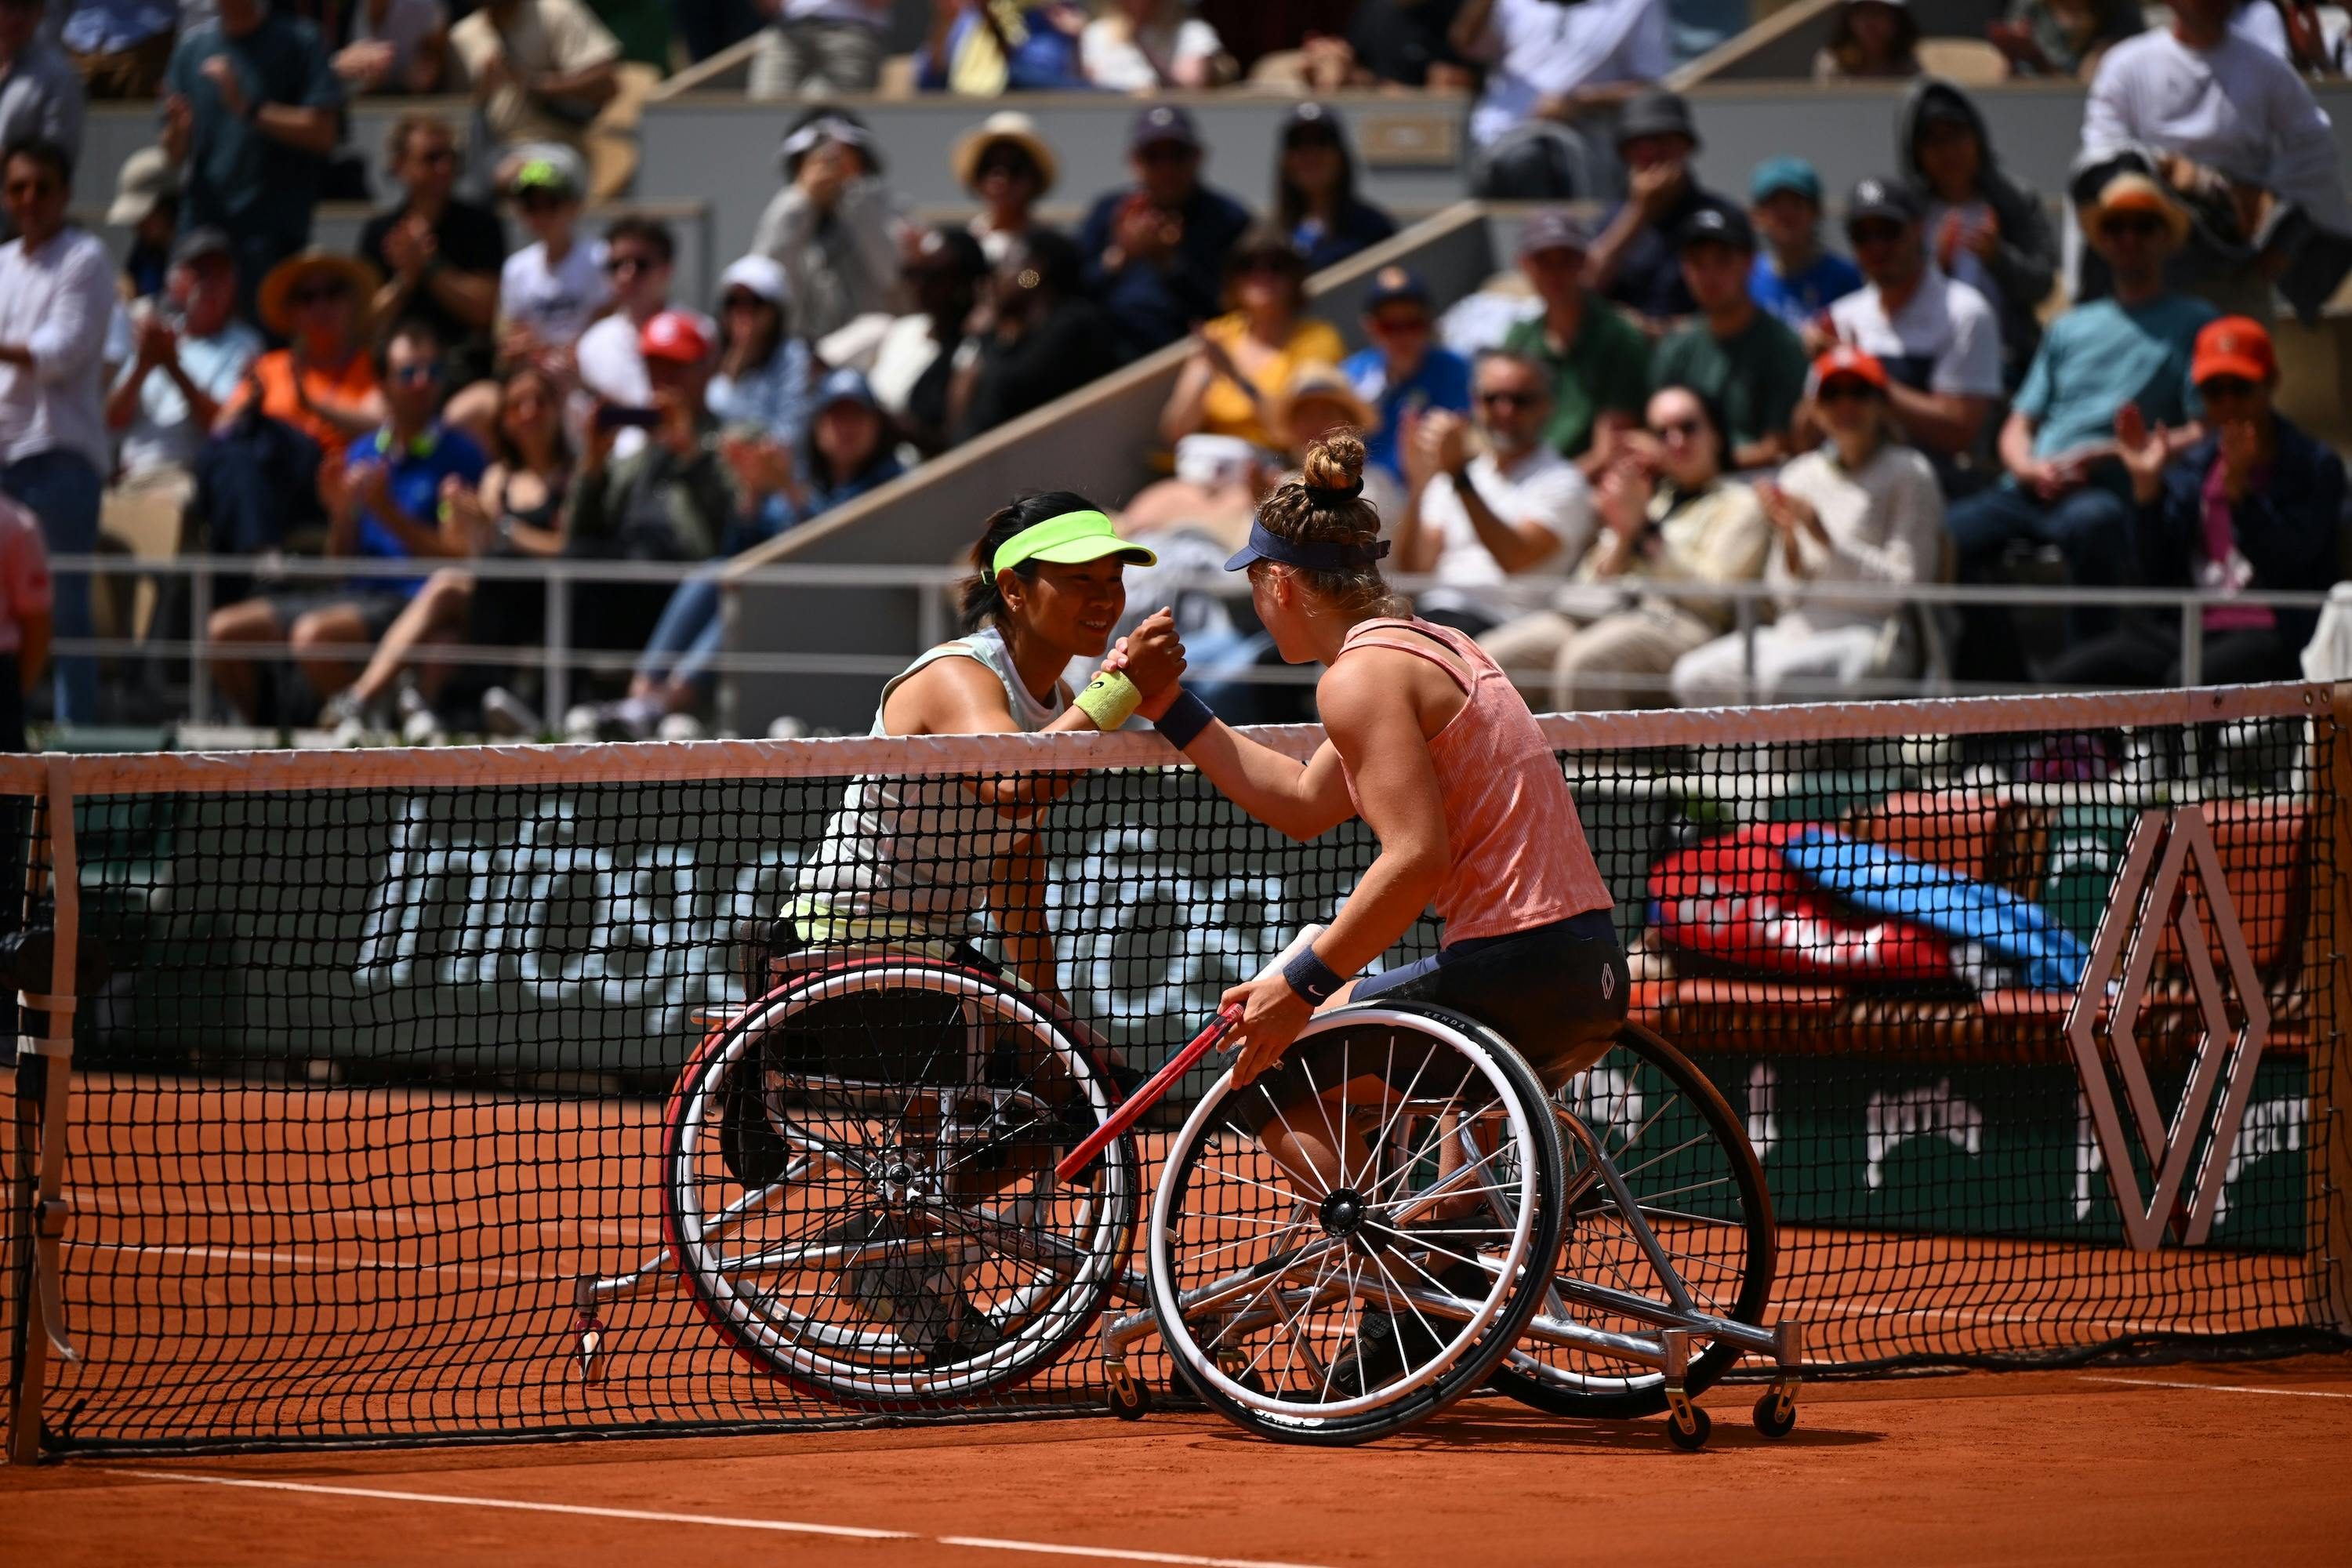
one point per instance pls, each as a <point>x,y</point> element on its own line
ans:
<point>2331,1165</point>
<point>43,1111</point>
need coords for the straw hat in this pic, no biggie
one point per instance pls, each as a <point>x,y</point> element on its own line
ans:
<point>354,274</point>
<point>2133,192</point>
<point>1006,125</point>
<point>1322,382</point>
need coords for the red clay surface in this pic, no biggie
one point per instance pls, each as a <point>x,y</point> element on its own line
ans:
<point>2113,1465</point>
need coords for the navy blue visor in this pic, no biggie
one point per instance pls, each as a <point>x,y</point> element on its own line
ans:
<point>1313,555</point>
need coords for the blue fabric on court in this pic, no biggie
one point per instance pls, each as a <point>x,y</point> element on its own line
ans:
<point>2024,934</point>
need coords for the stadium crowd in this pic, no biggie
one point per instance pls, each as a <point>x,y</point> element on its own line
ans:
<point>1691,390</point>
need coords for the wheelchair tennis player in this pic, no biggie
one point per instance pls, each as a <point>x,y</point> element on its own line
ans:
<point>1430,743</point>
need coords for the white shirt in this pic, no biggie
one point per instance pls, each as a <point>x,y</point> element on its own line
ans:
<point>872,14</point>
<point>610,369</point>
<point>1946,338</point>
<point>555,302</point>
<point>1885,525</point>
<point>1118,60</point>
<point>161,434</point>
<point>2236,108</point>
<point>55,301</point>
<point>1542,487</point>
<point>1538,47</point>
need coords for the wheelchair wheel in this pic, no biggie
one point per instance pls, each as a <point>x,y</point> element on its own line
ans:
<point>1695,1179</point>
<point>858,1184</point>
<point>1339,1311</point>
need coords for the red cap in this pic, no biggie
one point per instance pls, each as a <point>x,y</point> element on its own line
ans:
<point>674,335</point>
<point>2234,345</point>
<point>1847,360</point>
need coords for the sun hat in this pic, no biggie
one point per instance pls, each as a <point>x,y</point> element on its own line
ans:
<point>356,276</point>
<point>1008,125</point>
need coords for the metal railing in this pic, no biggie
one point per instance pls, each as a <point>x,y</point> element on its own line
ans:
<point>558,660</point>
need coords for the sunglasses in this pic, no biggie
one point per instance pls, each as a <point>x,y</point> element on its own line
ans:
<point>2142,224</point>
<point>1013,166</point>
<point>741,300</point>
<point>541,200</point>
<point>625,265</point>
<point>417,375</point>
<point>1673,428</point>
<point>1510,399</point>
<point>1311,138</point>
<point>1167,152</point>
<point>1847,391</point>
<point>2226,386</point>
<point>1400,326</point>
<point>438,156</point>
<point>1265,262</point>
<point>31,190</point>
<point>316,294</point>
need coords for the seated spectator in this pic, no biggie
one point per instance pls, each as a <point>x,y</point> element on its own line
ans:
<point>1242,360</point>
<point>2242,131</point>
<point>1871,40</point>
<point>1750,365</point>
<point>914,371</point>
<point>2064,38</point>
<point>834,227</point>
<point>986,51</point>
<point>552,289</point>
<point>439,255</point>
<point>1038,336</point>
<point>192,355</point>
<point>1862,510</point>
<point>1633,260</point>
<point>640,259</point>
<point>1988,231</point>
<point>819,49</point>
<point>1395,42</point>
<point>541,70</point>
<point>1406,370</point>
<point>41,93</point>
<point>1516,510</point>
<point>383,503</point>
<point>1548,67</point>
<point>1155,252</point>
<point>849,453</point>
<point>514,515</point>
<point>397,47</point>
<point>147,203</point>
<point>765,375</point>
<point>1152,45</point>
<point>28,609</point>
<point>251,114</point>
<point>1006,166</point>
<point>120,46</point>
<point>1316,402</point>
<point>1598,363</point>
<point>56,298</point>
<point>672,499</point>
<point>2251,507</point>
<point>1936,341</point>
<point>2131,348</point>
<point>1795,277</point>
<point>1315,200</point>
<point>1667,515</point>
<point>298,410</point>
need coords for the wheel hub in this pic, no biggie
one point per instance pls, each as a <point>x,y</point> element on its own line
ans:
<point>1343,1212</point>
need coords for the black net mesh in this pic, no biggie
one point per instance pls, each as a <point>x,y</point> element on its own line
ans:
<point>374,1085</point>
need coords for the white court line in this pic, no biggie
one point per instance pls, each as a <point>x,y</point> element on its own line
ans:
<point>2219,1387</point>
<point>324,1261</point>
<point>785,1526</point>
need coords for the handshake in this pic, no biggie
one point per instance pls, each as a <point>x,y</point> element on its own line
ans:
<point>1141,674</point>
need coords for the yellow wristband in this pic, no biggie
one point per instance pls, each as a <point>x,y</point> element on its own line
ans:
<point>1110,699</point>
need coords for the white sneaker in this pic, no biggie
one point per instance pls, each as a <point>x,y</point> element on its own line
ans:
<point>423,727</point>
<point>788,728</point>
<point>583,721</point>
<point>408,701</point>
<point>679,727</point>
<point>635,716</point>
<point>505,714</point>
<point>346,719</point>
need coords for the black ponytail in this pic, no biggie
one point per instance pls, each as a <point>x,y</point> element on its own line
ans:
<point>982,604</point>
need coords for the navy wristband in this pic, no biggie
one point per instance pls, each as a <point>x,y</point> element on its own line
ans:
<point>1185,719</point>
<point>1312,978</point>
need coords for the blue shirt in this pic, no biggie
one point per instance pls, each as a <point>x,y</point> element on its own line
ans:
<point>441,453</point>
<point>1799,299</point>
<point>97,27</point>
<point>2099,356</point>
<point>1442,382</point>
<point>1360,226</point>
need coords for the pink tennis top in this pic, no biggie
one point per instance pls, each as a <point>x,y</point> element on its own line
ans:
<point>1520,855</point>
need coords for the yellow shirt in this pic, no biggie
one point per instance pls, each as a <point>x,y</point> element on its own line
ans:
<point>1227,410</point>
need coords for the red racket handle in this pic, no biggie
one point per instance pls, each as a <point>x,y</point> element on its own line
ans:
<point>1131,1110</point>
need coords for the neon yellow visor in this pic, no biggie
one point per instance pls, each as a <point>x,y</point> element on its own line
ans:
<point>1072,537</point>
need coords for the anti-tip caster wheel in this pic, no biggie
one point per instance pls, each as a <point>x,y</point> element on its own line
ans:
<point>1130,1396</point>
<point>1775,1417</point>
<point>1694,1439</point>
<point>587,1348</point>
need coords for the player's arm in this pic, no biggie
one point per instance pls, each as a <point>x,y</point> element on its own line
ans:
<point>1375,728</point>
<point>1300,800</point>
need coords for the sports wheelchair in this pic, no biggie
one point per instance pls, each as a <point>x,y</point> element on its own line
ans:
<point>858,1190</point>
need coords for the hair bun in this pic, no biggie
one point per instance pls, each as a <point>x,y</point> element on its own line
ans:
<point>1335,462</point>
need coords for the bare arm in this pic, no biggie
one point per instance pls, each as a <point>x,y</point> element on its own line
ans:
<point>1184,415</point>
<point>1942,421</point>
<point>596,83</point>
<point>1608,251</point>
<point>311,131</point>
<point>1468,33</point>
<point>1516,546</point>
<point>2017,447</point>
<point>1298,800</point>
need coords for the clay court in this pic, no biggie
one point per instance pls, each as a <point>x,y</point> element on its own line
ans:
<point>2136,1465</point>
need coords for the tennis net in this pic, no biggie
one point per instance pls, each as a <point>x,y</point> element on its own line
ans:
<point>2029,1006</point>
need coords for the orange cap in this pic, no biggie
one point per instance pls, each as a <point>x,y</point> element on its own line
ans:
<point>1847,360</point>
<point>2234,345</point>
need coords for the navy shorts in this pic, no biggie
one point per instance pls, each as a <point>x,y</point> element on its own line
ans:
<point>1553,990</point>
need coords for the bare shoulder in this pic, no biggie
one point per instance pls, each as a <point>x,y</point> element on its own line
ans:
<point>956,695</point>
<point>1370,684</point>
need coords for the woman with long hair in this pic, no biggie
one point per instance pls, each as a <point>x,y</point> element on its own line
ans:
<point>1315,200</point>
<point>764,374</point>
<point>1242,360</point>
<point>1870,39</point>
